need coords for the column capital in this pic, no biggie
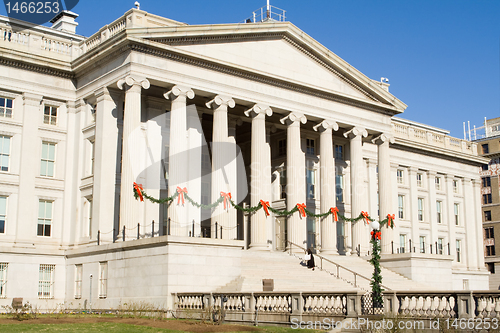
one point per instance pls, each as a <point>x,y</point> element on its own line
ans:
<point>382,138</point>
<point>467,180</point>
<point>431,173</point>
<point>476,182</point>
<point>71,106</point>
<point>102,94</point>
<point>259,109</point>
<point>356,131</point>
<point>177,91</point>
<point>220,100</point>
<point>133,81</point>
<point>395,165</point>
<point>326,124</point>
<point>32,99</point>
<point>293,117</point>
<point>371,162</point>
<point>412,169</point>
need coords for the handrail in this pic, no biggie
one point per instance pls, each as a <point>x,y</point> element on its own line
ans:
<point>336,264</point>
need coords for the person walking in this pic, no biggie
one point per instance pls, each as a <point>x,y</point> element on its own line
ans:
<point>310,262</point>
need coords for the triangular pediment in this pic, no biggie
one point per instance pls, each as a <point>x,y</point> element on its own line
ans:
<point>280,51</point>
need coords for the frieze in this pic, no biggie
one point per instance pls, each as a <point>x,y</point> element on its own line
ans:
<point>35,68</point>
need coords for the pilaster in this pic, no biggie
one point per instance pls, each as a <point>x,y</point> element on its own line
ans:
<point>470,226</point>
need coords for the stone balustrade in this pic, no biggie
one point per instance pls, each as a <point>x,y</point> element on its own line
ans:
<point>404,129</point>
<point>279,307</point>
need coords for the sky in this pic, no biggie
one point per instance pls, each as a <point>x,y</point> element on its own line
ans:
<point>442,57</point>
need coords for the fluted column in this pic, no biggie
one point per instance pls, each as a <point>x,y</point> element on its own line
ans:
<point>450,210</point>
<point>384,188</point>
<point>431,177</point>
<point>178,166</point>
<point>260,175</point>
<point>470,226</point>
<point>106,139</point>
<point>129,207</point>
<point>295,174</point>
<point>413,212</point>
<point>327,185</point>
<point>231,155</point>
<point>219,177</point>
<point>355,136</point>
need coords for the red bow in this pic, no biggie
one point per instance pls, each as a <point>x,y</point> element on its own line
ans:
<point>265,204</point>
<point>334,211</point>
<point>138,189</point>
<point>226,196</point>
<point>376,234</point>
<point>366,216</point>
<point>302,209</point>
<point>390,220</point>
<point>181,192</point>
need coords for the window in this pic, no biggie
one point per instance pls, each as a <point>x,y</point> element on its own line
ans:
<point>283,184</point>
<point>456,212</point>
<point>487,215</point>
<point>438,183</point>
<point>3,280</point>
<point>486,198</point>
<point>422,244</point>
<point>440,246</point>
<point>311,232</point>
<point>4,152</point>
<point>48,159</point>
<point>455,186</point>
<point>311,180</point>
<point>439,211</point>
<point>402,243</point>
<point>490,250</point>
<point>90,216</point>
<point>339,188</point>
<point>486,181</point>
<point>78,281</point>
<point>46,281</point>
<point>92,156</point>
<point>310,147</point>
<point>339,152</point>
<point>401,206</point>
<point>282,147</point>
<point>6,107</point>
<point>491,267</point>
<point>419,180</point>
<point>93,109</point>
<point>103,279</point>
<point>484,167</point>
<point>44,218</point>
<point>3,213</point>
<point>420,209</point>
<point>486,149</point>
<point>459,250</point>
<point>50,115</point>
<point>489,233</point>
<point>400,175</point>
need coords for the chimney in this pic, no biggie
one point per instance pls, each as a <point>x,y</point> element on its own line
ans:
<point>65,21</point>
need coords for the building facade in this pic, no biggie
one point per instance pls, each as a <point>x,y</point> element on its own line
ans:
<point>259,110</point>
<point>489,147</point>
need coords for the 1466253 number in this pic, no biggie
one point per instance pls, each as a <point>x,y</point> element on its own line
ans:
<point>32,7</point>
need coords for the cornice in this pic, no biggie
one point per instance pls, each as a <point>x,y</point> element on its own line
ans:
<point>36,68</point>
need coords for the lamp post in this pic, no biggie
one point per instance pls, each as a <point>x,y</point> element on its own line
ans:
<point>90,296</point>
<point>375,261</point>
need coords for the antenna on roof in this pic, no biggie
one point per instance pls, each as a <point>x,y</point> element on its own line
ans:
<point>267,13</point>
<point>137,5</point>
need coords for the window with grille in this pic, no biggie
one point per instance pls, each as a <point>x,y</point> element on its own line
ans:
<point>401,206</point>
<point>438,183</point>
<point>440,245</point>
<point>3,280</point>
<point>310,147</point>
<point>44,218</point>
<point>455,186</point>
<point>48,159</point>
<point>420,209</point>
<point>400,176</point>
<point>4,152</point>
<point>439,213</point>
<point>422,244</point>
<point>459,250</point>
<point>50,115</point>
<point>456,212</point>
<point>486,181</point>
<point>487,215</point>
<point>6,106</point>
<point>46,281</point>
<point>419,180</point>
<point>402,243</point>
<point>78,281</point>
<point>489,233</point>
<point>103,279</point>
<point>339,152</point>
<point>3,213</point>
<point>490,250</point>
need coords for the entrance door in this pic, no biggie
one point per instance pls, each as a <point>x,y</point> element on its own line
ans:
<point>311,233</point>
<point>281,233</point>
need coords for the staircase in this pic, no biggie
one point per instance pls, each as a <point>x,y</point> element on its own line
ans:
<point>290,275</point>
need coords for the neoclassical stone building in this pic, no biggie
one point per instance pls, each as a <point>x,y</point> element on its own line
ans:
<point>260,110</point>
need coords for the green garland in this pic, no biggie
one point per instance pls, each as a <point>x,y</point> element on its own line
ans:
<point>139,193</point>
<point>376,281</point>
